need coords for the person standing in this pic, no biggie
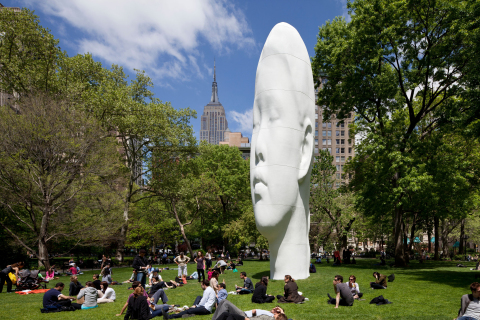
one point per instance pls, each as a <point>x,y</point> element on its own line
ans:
<point>4,275</point>
<point>181,262</point>
<point>208,259</point>
<point>200,260</point>
<point>140,265</point>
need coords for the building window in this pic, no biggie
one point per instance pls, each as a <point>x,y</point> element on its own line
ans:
<point>330,150</point>
<point>340,124</point>
<point>324,141</point>
<point>316,133</point>
<point>324,125</point>
<point>329,133</point>
<point>349,158</point>
<point>349,150</point>
<point>316,125</point>
<point>316,150</point>
<point>329,142</point>
<point>329,125</point>
<point>337,150</point>
<point>342,158</point>
<point>338,141</point>
<point>342,133</point>
<point>316,116</point>
<point>316,141</point>
<point>338,167</point>
<point>337,159</point>
<point>337,184</point>
<point>338,175</point>
<point>324,149</point>
<point>324,133</point>
<point>342,150</point>
<point>342,141</point>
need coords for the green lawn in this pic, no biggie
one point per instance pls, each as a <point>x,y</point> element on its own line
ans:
<point>422,291</point>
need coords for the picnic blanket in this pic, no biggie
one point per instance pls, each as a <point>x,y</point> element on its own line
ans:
<point>32,291</point>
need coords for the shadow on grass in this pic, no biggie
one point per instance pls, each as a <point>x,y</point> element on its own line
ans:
<point>445,272</point>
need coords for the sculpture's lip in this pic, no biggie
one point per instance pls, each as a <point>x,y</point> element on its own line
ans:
<point>258,181</point>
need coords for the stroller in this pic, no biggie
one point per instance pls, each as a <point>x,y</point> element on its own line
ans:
<point>29,280</point>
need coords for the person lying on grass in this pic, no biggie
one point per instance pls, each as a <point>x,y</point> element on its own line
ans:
<point>227,310</point>
<point>343,294</point>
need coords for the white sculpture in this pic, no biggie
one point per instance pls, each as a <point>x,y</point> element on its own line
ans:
<point>282,150</point>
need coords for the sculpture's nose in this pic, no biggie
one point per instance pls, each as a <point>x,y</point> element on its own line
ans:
<point>260,148</point>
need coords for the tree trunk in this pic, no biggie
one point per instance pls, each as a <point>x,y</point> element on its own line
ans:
<point>429,233</point>
<point>405,244</point>
<point>182,229</point>
<point>398,237</point>
<point>461,249</point>
<point>43,254</point>
<point>437,234</point>
<point>123,230</point>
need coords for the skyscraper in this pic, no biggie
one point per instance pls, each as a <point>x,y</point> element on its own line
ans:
<point>214,123</point>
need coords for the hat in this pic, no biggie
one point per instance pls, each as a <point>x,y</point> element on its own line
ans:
<point>155,270</point>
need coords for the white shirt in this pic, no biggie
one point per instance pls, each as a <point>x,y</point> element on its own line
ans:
<point>109,294</point>
<point>158,275</point>
<point>473,309</point>
<point>208,299</point>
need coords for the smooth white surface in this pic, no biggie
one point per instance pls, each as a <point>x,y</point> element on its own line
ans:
<point>282,150</point>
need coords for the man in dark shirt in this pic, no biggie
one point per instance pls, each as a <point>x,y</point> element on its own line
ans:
<point>247,284</point>
<point>140,264</point>
<point>343,293</point>
<point>96,282</point>
<point>54,298</point>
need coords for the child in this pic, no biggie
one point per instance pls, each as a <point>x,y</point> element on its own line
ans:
<point>210,272</point>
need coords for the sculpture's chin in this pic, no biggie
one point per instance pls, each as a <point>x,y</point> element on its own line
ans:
<point>271,220</point>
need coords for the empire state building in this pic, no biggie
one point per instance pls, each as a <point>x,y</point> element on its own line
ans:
<point>214,123</point>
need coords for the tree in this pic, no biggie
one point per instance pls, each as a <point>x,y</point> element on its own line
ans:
<point>50,153</point>
<point>230,173</point>
<point>329,204</point>
<point>390,55</point>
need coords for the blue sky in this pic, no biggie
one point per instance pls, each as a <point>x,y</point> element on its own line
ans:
<point>175,42</point>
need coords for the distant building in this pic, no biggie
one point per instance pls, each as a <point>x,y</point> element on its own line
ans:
<point>236,139</point>
<point>334,136</point>
<point>6,98</point>
<point>213,120</point>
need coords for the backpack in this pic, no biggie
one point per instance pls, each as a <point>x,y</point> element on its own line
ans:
<point>391,277</point>
<point>312,268</point>
<point>379,301</point>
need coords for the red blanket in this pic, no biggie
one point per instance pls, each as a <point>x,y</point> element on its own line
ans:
<point>33,291</point>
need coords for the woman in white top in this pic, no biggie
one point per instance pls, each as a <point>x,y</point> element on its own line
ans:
<point>354,288</point>
<point>107,294</point>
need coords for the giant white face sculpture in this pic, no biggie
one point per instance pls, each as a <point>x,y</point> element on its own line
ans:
<point>282,150</point>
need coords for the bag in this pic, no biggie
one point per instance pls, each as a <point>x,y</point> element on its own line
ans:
<point>391,277</point>
<point>235,270</point>
<point>312,268</point>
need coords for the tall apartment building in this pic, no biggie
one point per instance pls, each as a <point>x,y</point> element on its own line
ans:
<point>6,98</point>
<point>334,136</point>
<point>213,120</point>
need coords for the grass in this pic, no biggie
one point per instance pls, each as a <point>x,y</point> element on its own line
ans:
<point>431,290</point>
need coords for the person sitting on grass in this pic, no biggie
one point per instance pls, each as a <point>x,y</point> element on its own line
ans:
<point>209,274</point>
<point>214,281</point>
<point>135,285</point>
<point>96,283</point>
<point>228,311</point>
<point>156,285</point>
<point>50,274</point>
<point>202,305</point>
<point>75,286</point>
<point>380,282</point>
<point>222,293</point>
<point>354,288</point>
<point>260,294</point>
<point>343,294</point>
<point>72,270</point>
<point>290,293</point>
<point>154,273</point>
<point>470,306</point>
<point>247,284</point>
<point>54,299</point>
<point>106,274</point>
<point>138,305</point>
<point>106,294</point>
<point>90,295</point>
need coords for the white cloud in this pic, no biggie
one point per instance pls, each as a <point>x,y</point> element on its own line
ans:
<point>345,10</point>
<point>162,36</point>
<point>244,122</point>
